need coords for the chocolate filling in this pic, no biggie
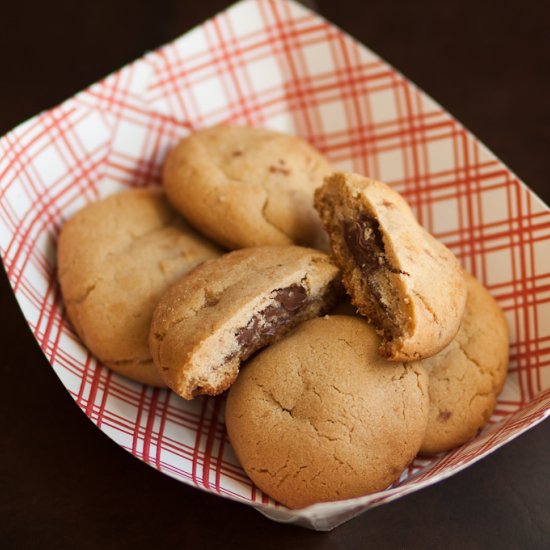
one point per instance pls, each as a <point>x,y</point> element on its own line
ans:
<point>365,243</point>
<point>264,325</point>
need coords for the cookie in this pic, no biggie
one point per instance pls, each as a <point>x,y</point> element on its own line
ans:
<point>408,284</point>
<point>218,315</point>
<point>467,376</point>
<point>247,186</point>
<point>115,259</point>
<point>320,416</point>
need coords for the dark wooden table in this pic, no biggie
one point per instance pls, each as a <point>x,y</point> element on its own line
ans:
<point>63,484</point>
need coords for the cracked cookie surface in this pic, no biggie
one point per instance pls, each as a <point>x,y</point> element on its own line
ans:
<point>408,284</point>
<point>320,416</point>
<point>115,259</point>
<point>467,376</point>
<point>246,186</point>
<point>218,315</point>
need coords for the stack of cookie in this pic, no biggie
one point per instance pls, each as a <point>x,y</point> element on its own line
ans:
<point>327,407</point>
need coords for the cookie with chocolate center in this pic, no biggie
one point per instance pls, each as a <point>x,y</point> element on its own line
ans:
<point>408,284</point>
<point>218,315</point>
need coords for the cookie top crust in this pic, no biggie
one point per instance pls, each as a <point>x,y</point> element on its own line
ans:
<point>406,282</point>
<point>320,416</point>
<point>467,376</point>
<point>115,258</point>
<point>245,186</point>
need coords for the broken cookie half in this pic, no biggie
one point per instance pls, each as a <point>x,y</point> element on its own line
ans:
<point>408,284</point>
<point>223,311</point>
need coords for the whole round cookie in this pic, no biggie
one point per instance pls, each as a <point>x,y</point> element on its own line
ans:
<point>247,186</point>
<point>115,258</point>
<point>467,376</point>
<point>217,316</point>
<point>407,283</point>
<point>320,416</point>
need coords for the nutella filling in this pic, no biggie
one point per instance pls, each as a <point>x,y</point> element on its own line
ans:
<point>263,326</point>
<point>365,243</point>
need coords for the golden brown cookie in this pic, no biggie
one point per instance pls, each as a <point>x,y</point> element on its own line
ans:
<point>408,284</point>
<point>247,186</point>
<point>320,416</point>
<point>115,258</point>
<point>467,376</point>
<point>219,314</point>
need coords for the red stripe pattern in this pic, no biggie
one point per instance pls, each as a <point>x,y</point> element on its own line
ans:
<point>275,64</point>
